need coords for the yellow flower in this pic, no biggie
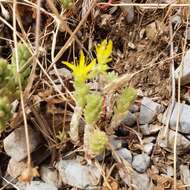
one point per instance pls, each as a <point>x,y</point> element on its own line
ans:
<point>104,51</point>
<point>81,70</point>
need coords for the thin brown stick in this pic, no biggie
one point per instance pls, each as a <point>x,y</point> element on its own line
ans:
<point>178,109</point>
<point>147,5</point>
<point>20,85</point>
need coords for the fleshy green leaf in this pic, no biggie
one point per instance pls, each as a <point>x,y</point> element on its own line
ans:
<point>125,99</point>
<point>93,107</point>
<point>97,142</point>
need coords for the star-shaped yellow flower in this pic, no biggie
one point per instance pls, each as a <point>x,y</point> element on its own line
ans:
<point>81,70</point>
<point>104,51</point>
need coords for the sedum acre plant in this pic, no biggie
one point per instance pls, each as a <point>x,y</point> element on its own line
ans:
<point>97,142</point>
<point>123,103</point>
<point>9,88</point>
<point>89,103</point>
<point>93,107</point>
<point>5,112</point>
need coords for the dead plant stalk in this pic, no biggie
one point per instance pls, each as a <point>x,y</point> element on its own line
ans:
<point>20,85</point>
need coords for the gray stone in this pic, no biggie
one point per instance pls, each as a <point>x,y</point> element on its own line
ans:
<point>141,162</point>
<point>187,97</point>
<point>128,11</point>
<point>125,153</point>
<point>185,175</point>
<point>134,108</point>
<point>73,173</point>
<point>116,143</point>
<point>185,78</point>
<point>130,119</point>
<point>170,171</point>
<point>148,110</point>
<point>50,176</point>
<point>15,169</point>
<point>183,144</point>
<point>145,129</point>
<point>15,143</point>
<point>148,148</point>
<point>176,19</point>
<point>149,129</point>
<point>184,121</point>
<point>136,180</point>
<point>149,140</point>
<point>36,185</point>
<point>154,128</point>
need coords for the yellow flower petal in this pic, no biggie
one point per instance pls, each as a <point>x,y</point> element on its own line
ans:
<point>70,65</point>
<point>82,60</point>
<point>90,66</point>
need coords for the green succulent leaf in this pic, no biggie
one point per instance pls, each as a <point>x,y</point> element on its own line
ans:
<point>23,56</point>
<point>5,112</point>
<point>93,107</point>
<point>80,93</point>
<point>97,142</point>
<point>125,99</point>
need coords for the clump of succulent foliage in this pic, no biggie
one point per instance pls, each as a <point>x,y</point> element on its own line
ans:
<point>9,86</point>
<point>90,102</point>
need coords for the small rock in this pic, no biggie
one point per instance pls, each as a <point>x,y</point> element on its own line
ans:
<point>154,128</point>
<point>136,180</point>
<point>176,19</point>
<point>50,176</point>
<point>134,108</point>
<point>126,154</point>
<point>130,119</point>
<point>185,175</point>
<point>116,143</point>
<point>148,110</point>
<point>141,162</point>
<point>15,143</point>
<point>145,129</point>
<point>184,121</point>
<point>14,168</point>
<point>128,11</point>
<point>187,98</point>
<point>148,148</point>
<point>170,171</point>
<point>36,185</point>
<point>77,175</point>
<point>149,140</point>
<point>62,72</point>
<point>185,78</point>
<point>183,144</point>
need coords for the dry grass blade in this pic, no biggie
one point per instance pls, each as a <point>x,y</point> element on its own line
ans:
<point>29,164</point>
<point>178,107</point>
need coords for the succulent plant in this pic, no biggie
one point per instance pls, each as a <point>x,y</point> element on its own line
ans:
<point>9,88</point>
<point>23,56</point>
<point>93,107</point>
<point>125,99</point>
<point>98,141</point>
<point>5,112</point>
<point>4,72</point>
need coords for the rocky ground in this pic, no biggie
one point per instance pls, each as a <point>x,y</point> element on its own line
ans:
<point>148,149</point>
